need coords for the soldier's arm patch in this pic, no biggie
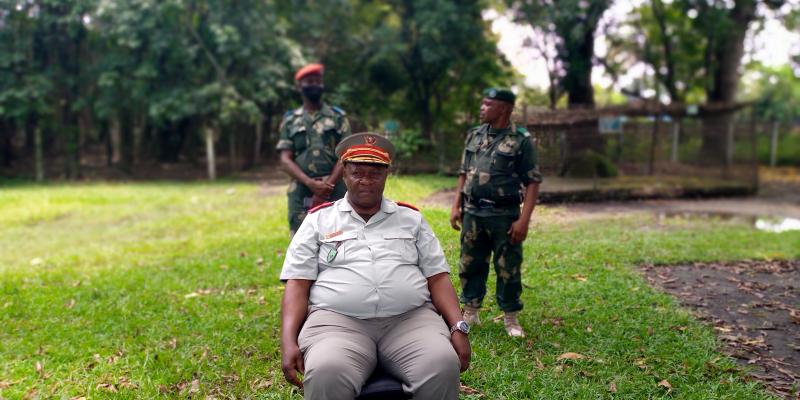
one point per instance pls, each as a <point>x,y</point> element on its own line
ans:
<point>319,207</point>
<point>338,110</point>
<point>400,203</point>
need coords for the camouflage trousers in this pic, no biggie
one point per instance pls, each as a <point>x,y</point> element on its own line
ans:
<point>299,201</point>
<point>482,239</point>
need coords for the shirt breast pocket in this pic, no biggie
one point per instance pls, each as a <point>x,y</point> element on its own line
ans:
<point>502,163</point>
<point>298,138</point>
<point>332,137</point>
<point>398,246</point>
<point>333,251</point>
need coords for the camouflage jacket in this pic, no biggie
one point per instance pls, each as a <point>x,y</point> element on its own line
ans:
<point>313,138</point>
<point>497,164</point>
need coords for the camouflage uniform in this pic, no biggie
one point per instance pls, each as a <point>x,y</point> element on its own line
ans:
<point>497,164</point>
<point>312,139</point>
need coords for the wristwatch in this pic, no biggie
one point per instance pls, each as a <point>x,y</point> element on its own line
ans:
<point>461,326</point>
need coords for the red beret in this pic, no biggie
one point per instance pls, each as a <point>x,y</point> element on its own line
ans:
<point>309,70</point>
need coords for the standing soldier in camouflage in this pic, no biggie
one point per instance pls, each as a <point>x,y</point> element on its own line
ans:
<point>498,172</point>
<point>307,144</point>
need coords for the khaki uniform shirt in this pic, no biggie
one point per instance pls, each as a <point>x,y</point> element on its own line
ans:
<point>365,270</point>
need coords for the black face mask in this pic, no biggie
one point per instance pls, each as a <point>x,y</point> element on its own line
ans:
<point>312,93</point>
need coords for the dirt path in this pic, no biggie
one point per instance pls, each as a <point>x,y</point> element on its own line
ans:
<point>779,196</point>
<point>753,306</point>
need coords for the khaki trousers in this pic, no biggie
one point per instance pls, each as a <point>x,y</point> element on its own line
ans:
<point>340,353</point>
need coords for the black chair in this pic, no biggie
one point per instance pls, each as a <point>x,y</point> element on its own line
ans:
<point>382,386</point>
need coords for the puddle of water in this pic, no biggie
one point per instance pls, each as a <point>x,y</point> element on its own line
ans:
<point>767,224</point>
<point>778,224</point>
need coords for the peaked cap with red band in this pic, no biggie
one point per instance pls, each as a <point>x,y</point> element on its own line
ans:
<point>309,69</point>
<point>368,147</point>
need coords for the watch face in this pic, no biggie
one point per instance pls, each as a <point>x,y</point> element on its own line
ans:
<point>462,326</point>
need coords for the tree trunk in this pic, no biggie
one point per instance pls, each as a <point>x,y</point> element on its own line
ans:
<point>126,142</point>
<point>139,125</point>
<point>72,131</point>
<point>38,153</point>
<point>232,156</point>
<point>115,134</point>
<point>210,156</point>
<point>259,132</point>
<point>6,141</point>
<point>728,53</point>
<point>577,53</point>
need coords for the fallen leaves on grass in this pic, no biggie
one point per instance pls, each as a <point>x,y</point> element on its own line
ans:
<point>31,394</point>
<point>40,370</point>
<point>612,387</point>
<point>7,384</point>
<point>126,383</point>
<point>108,387</point>
<point>665,384</point>
<point>470,391</point>
<point>70,304</point>
<point>795,315</point>
<point>198,293</point>
<point>579,277</point>
<point>571,356</point>
<point>261,384</point>
<point>183,388</point>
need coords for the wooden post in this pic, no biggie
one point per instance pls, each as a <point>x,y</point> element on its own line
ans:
<point>210,159</point>
<point>651,168</point>
<point>729,143</point>
<point>676,136</point>
<point>773,145</point>
<point>754,150</point>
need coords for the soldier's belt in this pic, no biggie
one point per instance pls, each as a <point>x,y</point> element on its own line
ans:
<point>506,202</point>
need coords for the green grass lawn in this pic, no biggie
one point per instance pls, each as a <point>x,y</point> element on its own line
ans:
<point>171,290</point>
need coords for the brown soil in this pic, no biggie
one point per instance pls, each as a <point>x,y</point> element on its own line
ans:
<point>753,306</point>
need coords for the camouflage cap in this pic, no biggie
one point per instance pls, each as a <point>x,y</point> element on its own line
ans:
<point>499,93</point>
<point>366,147</point>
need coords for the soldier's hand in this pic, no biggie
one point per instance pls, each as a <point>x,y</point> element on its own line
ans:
<point>518,231</point>
<point>292,362</point>
<point>455,218</point>
<point>320,188</point>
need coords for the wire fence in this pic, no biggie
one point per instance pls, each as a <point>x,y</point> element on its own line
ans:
<point>723,146</point>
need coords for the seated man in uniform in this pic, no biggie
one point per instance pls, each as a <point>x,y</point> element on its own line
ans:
<point>367,281</point>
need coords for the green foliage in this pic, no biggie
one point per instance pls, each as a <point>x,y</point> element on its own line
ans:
<point>159,71</point>
<point>572,24</point>
<point>590,164</point>
<point>776,93</point>
<point>661,35</point>
<point>172,290</point>
<point>408,142</point>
